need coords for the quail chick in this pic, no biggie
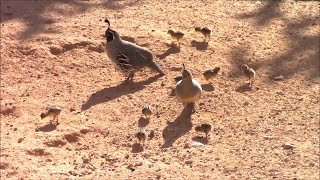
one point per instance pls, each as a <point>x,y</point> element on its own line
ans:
<point>146,111</point>
<point>211,73</point>
<point>52,111</point>
<point>203,30</point>
<point>204,128</point>
<point>141,135</point>
<point>188,90</point>
<point>176,35</point>
<point>249,73</point>
<point>128,57</point>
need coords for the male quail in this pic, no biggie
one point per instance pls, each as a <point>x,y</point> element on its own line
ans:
<point>203,30</point>
<point>249,73</point>
<point>52,111</point>
<point>128,57</point>
<point>146,111</point>
<point>176,35</point>
<point>188,90</point>
<point>211,73</point>
<point>204,128</point>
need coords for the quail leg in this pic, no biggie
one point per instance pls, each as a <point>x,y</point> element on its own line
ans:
<point>130,77</point>
<point>57,121</point>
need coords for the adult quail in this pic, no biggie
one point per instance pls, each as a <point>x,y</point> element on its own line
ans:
<point>188,90</point>
<point>176,35</point>
<point>141,135</point>
<point>211,73</point>
<point>146,111</point>
<point>203,30</point>
<point>204,128</point>
<point>128,57</point>
<point>249,73</point>
<point>52,111</point>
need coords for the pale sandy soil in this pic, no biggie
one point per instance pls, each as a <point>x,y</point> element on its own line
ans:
<point>52,53</point>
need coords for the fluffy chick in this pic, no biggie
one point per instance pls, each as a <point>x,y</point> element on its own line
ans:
<point>204,128</point>
<point>249,73</point>
<point>211,73</point>
<point>52,111</point>
<point>176,35</point>
<point>203,30</point>
<point>141,135</point>
<point>146,111</point>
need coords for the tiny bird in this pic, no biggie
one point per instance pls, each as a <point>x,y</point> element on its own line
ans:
<point>146,111</point>
<point>188,90</point>
<point>176,35</point>
<point>249,73</point>
<point>141,135</point>
<point>52,111</point>
<point>211,73</point>
<point>204,128</point>
<point>203,30</point>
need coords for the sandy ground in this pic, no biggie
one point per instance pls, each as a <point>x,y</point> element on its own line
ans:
<point>52,54</point>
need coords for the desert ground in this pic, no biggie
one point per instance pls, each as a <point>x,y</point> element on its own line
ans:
<point>53,54</point>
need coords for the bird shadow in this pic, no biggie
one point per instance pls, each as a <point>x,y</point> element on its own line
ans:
<point>110,93</point>
<point>180,126</point>
<point>47,128</point>
<point>143,122</point>
<point>137,148</point>
<point>200,139</point>
<point>244,88</point>
<point>207,87</point>
<point>200,45</point>
<point>173,49</point>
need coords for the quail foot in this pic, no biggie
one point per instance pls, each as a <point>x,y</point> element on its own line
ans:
<point>53,112</point>
<point>188,90</point>
<point>204,128</point>
<point>249,73</point>
<point>128,57</point>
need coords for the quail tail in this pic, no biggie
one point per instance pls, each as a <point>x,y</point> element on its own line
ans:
<point>156,68</point>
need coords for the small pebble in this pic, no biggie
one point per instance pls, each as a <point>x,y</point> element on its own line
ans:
<point>189,161</point>
<point>278,78</point>
<point>287,146</point>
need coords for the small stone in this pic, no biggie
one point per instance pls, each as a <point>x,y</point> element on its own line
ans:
<point>195,143</point>
<point>278,78</point>
<point>287,146</point>
<point>189,161</point>
<point>72,109</point>
<point>268,137</point>
<point>246,103</point>
<point>187,145</point>
<point>15,129</point>
<point>138,163</point>
<point>20,140</point>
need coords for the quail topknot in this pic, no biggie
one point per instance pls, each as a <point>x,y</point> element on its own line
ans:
<point>128,57</point>
<point>203,30</point>
<point>188,90</point>
<point>249,73</point>
<point>204,128</point>
<point>52,111</point>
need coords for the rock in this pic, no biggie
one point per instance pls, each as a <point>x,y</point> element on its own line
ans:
<point>287,146</point>
<point>189,161</point>
<point>138,163</point>
<point>197,144</point>
<point>20,140</point>
<point>278,78</point>
<point>246,103</point>
<point>268,137</point>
